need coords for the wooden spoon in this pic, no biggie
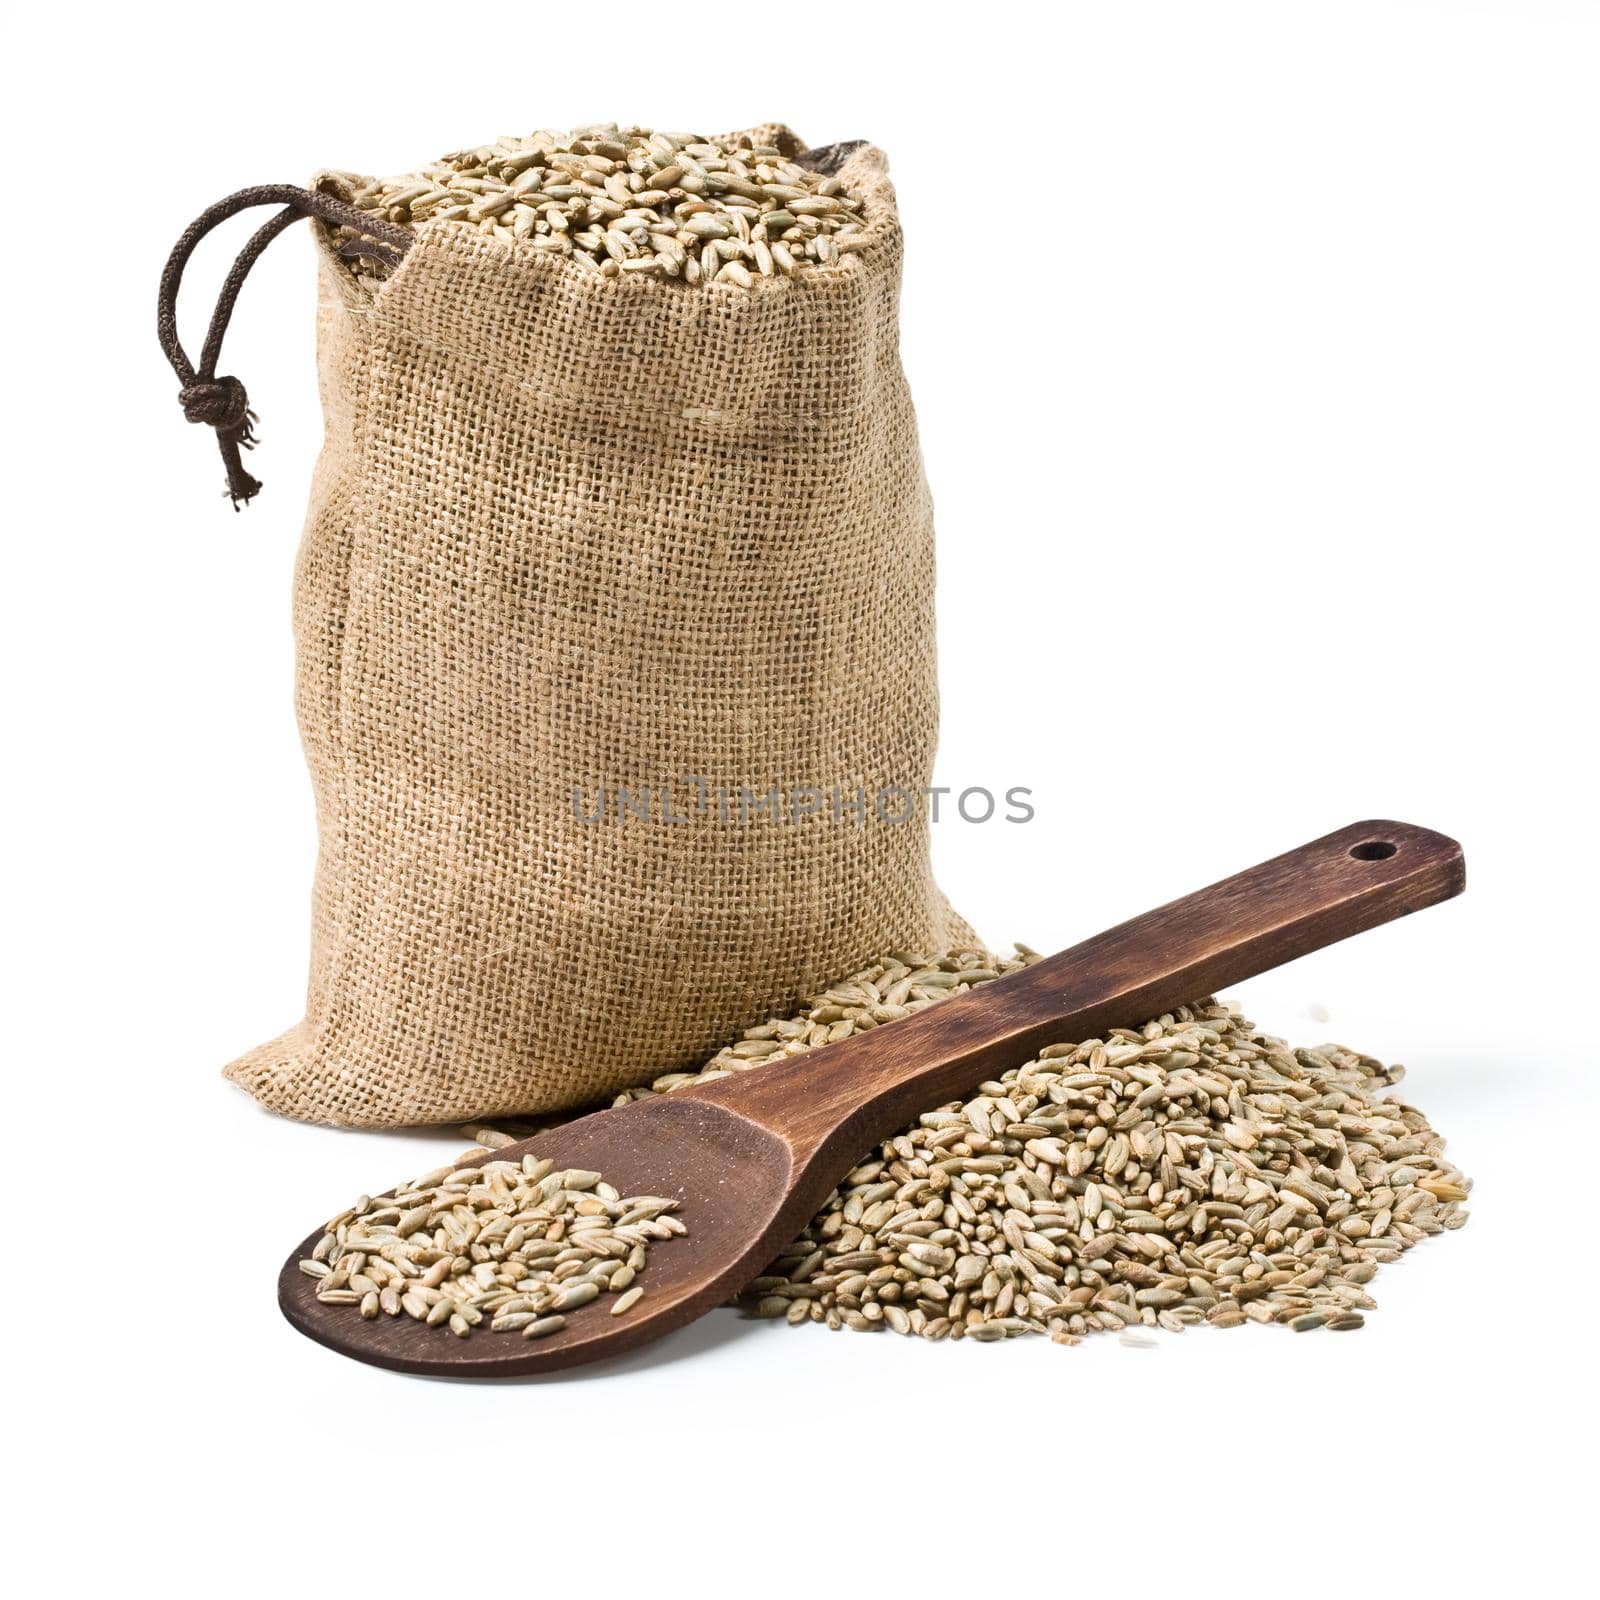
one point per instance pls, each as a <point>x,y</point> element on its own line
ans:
<point>751,1157</point>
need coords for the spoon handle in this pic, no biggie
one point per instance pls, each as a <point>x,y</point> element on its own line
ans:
<point>855,1092</point>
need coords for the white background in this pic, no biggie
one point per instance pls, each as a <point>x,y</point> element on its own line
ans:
<point>1260,408</point>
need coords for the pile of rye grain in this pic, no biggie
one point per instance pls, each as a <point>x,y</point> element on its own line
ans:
<point>1189,1171</point>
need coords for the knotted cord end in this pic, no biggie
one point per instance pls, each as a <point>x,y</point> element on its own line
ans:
<point>242,487</point>
<point>222,404</point>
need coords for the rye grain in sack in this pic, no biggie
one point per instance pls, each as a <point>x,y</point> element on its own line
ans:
<point>582,532</point>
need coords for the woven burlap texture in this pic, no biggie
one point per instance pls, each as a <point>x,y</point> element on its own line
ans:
<point>574,531</point>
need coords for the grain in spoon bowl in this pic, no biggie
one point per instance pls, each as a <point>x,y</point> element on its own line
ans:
<point>514,1245</point>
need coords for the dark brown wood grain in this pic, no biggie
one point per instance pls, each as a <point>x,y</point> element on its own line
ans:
<point>751,1157</point>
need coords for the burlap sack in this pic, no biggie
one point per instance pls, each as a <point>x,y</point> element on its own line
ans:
<point>578,532</point>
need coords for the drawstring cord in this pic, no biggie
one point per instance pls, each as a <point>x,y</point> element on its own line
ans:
<point>221,402</point>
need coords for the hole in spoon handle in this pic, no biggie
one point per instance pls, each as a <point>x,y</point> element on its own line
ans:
<point>1342,884</point>
<point>1374,850</point>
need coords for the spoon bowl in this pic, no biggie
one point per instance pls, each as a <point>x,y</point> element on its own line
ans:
<point>730,1177</point>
